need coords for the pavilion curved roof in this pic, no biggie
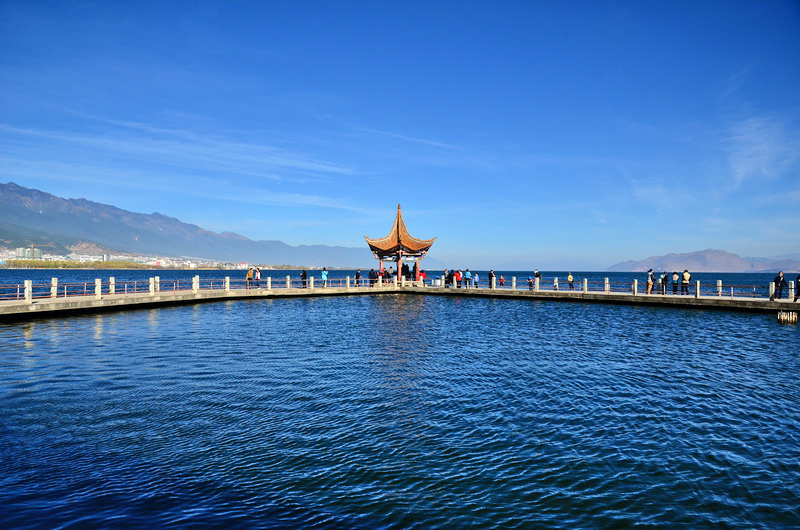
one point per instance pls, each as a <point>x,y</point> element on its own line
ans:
<point>399,240</point>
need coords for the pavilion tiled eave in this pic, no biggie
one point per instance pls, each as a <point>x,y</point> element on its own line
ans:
<point>399,240</point>
<point>399,244</point>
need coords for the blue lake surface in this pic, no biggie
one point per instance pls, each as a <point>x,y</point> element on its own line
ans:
<point>400,411</point>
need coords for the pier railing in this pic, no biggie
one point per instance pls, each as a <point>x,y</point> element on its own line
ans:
<point>100,288</point>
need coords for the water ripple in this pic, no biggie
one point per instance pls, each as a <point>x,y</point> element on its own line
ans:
<point>400,412</point>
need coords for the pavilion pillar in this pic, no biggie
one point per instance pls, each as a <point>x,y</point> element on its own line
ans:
<point>399,274</point>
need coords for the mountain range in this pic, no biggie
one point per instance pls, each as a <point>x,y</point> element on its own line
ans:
<point>29,216</point>
<point>711,260</point>
<point>60,226</point>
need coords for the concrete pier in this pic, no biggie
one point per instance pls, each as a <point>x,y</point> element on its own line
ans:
<point>111,299</point>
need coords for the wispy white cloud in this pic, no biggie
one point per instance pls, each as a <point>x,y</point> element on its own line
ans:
<point>656,193</point>
<point>202,187</point>
<point>761,147</point>
<point>430,143</point>
<point>186,149</point>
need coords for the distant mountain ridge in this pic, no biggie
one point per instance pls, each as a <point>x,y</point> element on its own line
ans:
<point>709,260</point>
<point>39,217</point>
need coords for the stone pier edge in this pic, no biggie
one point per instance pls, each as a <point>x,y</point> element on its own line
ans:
<point>59,307</point>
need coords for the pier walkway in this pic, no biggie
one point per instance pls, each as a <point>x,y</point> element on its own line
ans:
<point>32,302</point>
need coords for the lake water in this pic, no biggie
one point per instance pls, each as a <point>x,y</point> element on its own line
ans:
<point>400,411</point>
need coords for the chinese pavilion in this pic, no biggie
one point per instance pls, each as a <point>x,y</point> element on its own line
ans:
<point>399,244</point>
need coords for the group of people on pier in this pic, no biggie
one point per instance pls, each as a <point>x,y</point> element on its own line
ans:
<point>656,283</point>
<point>323,277</point>
<point>383,276</point>
<point>662,283</point>
<point>252,278</point>
<point>466,279</point>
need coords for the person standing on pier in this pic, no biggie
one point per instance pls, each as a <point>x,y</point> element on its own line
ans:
<point>358,277</point>
<point>304,278</point>
<point>475,280</point>
<point>530,283</point>
<point>664,282</point>
<point>406,272</point>
<point>248,278</point>
<point>570,279</point>
<point>502,281</point>
<point>685,283</point>
<point>467,279</point>
<point>650,281</point>
<point>675,279</point>
<point>797,288</point>
<point>257,277</point>
<point>373,276</point>
<point>324,277</point>
<point>780,283</point>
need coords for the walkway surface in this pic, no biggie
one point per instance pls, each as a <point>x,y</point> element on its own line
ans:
<point>52,307</point>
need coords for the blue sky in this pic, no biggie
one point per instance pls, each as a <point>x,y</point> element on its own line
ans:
<point>528,133</point>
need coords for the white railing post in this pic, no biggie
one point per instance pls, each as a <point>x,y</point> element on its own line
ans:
<point>112,285</point>
<point>697,289</point>
<point>585,285</point>
<point>719,287</point>
<point>288,282</point>
<point>394,280</point>
<point>494,283</point>
<point>157,282</point>
<point>53,287</point>
<point>311,282</point>
<point>606,286</point>
<point>28,291</point>
<point>771,290</point>
<point>98,288</point>
<point>380,281</point>
<point>227,283</point>
<point>536,284</point>
<point>555,284</point>
<point>513,282</point>
<point>347,282</point>
<point>635,286</point>
<point>403,281</point>
<point>269,283</point>
<point>195,284</point>
<point>152,286</point>
<point>791,290</point>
